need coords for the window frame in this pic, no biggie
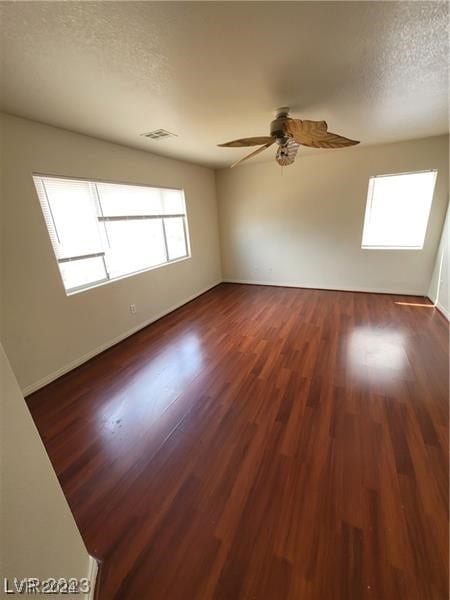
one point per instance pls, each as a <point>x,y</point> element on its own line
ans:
<point>369,201</point>
<point>101,220</point>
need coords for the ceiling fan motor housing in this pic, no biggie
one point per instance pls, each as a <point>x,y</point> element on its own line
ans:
<point>277,129</point>
<point>288,148</point>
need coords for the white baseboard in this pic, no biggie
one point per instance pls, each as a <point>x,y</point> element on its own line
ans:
<point>441,308</point>
<point>29,389</point>
<point>92,577</point>
<point>397,292</point>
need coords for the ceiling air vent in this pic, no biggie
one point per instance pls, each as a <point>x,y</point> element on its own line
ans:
<point>159,134</point>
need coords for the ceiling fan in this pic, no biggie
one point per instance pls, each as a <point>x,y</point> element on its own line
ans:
<point>289,134</point>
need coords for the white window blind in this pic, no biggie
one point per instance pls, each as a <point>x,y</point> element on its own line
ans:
<point>397,210</point>
<point>101,231</point>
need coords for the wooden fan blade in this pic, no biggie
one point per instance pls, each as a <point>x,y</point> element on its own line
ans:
<point>254,141</point>
<point>312,126</point>
<point>331,140</point>
<point>254,153</point>
<point>315,134</point>
<point>297,127</point>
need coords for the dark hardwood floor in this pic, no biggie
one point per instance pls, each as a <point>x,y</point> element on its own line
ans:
<point>262,443</point>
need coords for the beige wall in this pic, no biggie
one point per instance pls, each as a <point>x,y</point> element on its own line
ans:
<point>44,331</point>
<point>303,226</point>
<point>38,534</point>
<point>439,290</point>
<point>300,227</point>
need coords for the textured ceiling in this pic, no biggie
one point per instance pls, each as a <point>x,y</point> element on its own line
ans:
<point>214,71</point>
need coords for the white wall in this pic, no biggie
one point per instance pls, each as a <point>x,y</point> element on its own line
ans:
<point>439,290</point>
<point>38,534</point>
<point>303,226</point>
<point>44,331</point>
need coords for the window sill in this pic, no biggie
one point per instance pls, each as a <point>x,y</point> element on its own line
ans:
<point>391,247</point>
<point>74,291</point>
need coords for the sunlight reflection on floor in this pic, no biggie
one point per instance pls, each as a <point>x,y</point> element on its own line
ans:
<point>376,348</point>
<point>149,391</point>
<point>415,304</point>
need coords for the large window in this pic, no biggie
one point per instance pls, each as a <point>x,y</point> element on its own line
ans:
<point>397,211</point>
<point>102,231</point>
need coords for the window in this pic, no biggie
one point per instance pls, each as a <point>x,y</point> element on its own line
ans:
<point>102,231</point>
<point>397,211</point>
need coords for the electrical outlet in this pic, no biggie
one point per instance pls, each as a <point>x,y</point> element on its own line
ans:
<point>133,309</point>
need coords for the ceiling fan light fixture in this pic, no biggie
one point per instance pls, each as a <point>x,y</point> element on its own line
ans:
<point>286,152</point>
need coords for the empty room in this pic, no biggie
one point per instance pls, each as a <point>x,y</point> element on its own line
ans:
<point>225,300</point>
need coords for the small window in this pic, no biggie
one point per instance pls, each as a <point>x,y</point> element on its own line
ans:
<point>397,210</point>
<point>103,231</point>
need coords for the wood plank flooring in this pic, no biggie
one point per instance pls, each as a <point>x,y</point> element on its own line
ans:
<point>262,443</point>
